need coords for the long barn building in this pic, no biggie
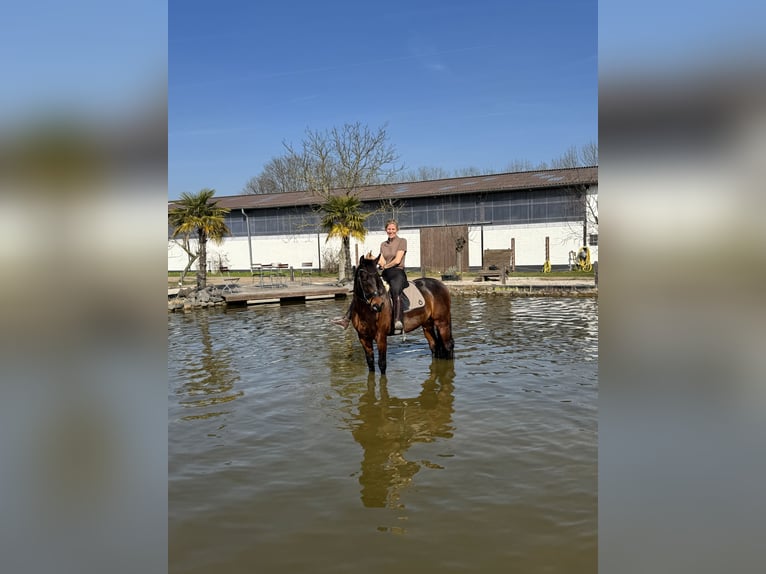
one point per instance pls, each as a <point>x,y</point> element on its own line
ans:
<point>536,213</point>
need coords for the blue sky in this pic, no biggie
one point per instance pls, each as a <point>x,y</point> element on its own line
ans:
<point>89,58</point>
<point>458,84</point>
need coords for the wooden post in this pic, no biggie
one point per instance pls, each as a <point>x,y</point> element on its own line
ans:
<point>547,264</point>
<point>513,254</point>
<point>319,255</point>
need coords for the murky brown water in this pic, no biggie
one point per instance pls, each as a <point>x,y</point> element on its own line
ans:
<point>286,456</point>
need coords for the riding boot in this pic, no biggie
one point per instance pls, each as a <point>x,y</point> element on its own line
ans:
<point>343,321</point>
<point>397,312</point>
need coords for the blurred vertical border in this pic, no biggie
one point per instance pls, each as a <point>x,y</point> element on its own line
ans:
<point>83,172</point>
<point>682,135</point>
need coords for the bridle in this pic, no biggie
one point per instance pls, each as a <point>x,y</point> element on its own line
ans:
<point>368,297</point>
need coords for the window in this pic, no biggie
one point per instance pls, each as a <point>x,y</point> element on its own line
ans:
<point>593,239</point>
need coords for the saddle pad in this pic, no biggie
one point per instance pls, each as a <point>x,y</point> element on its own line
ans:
<point>413,296</point>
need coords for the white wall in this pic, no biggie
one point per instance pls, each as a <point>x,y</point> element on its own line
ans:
<point>529,242</point>
<point>290,249</point>
<point>295,249</point>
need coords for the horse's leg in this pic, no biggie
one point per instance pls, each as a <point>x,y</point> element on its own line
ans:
<point>382,342</point>
<point>445,344</point>
<point>368,355</point>
<point>428,331</point>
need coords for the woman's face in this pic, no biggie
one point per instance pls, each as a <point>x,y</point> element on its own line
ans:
<point>391,230</point>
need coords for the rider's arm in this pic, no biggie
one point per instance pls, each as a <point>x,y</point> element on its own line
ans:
<point>395,261</point>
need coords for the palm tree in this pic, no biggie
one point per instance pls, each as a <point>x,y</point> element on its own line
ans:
<point>342,217</point>
<point>196,213</point>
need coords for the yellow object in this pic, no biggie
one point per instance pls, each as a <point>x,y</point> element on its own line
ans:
<point>547,266</point>
<point>583,259</point>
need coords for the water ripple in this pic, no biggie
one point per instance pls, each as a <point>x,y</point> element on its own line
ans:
<point>279,439</point>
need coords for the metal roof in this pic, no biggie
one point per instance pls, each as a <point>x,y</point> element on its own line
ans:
<point>522,180</point>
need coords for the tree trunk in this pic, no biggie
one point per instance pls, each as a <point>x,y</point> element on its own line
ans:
<point>345,270</point>
<point>192,259</point>
<point>202,267</point>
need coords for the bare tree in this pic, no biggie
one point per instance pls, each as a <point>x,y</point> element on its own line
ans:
<point>589,153</point>
<point>519,165</point>
<point>390,207</point>
<point>423,173</point>
<point>585,206</point>
<point>471,171</point>
<point>279,175</point>
<point>340,162</point>
<point>586,155</point>
<point>582,202</point>
<point>569,159</point>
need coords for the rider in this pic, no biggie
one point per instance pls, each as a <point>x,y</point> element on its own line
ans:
<point>392,252</point>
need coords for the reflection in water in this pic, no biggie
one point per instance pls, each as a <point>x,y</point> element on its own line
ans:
<point>385,427</point>
<point>320,469</point>
<point>209,377</point>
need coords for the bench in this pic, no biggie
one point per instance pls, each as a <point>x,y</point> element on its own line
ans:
<point>500,260</point>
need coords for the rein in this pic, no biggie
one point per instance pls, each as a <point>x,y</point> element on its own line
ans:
<point>367,296</point>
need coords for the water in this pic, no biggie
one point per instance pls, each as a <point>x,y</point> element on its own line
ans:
<point>285,455</point>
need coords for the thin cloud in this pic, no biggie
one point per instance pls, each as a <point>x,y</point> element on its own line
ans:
<point>427,58</point>
<point>426,54</point>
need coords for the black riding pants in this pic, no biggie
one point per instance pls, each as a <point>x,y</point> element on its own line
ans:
<point>396,279</point>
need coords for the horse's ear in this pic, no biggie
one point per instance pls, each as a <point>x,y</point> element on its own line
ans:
<point>361,260</point>
<point>377,259</point>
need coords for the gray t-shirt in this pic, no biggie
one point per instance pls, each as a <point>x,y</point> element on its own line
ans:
<point>388,250</point>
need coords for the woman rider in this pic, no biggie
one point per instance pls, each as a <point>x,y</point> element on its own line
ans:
<point>392,253</point>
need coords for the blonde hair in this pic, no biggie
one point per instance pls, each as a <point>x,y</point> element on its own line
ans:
<point>392,222</point>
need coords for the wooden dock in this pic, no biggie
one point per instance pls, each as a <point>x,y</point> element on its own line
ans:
<point>254,295</point>
<point>240,294</point>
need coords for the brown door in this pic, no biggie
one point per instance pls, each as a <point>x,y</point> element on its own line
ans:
<point>438,248</point>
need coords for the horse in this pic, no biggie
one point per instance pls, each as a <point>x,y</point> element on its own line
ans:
<point>371,314</point>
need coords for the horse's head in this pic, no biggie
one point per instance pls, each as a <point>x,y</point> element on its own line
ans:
<point>368,286</point>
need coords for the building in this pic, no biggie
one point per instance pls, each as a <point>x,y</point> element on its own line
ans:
<point>531,212</point>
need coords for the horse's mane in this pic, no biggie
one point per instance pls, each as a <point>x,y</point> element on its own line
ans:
<point>368,261</point>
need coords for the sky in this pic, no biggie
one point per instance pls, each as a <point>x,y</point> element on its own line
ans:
<point>455,84</point>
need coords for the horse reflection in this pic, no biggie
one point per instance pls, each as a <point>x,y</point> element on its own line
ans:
<point>386,427</point>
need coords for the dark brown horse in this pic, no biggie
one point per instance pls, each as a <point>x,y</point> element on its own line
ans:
<point>371,314</point>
